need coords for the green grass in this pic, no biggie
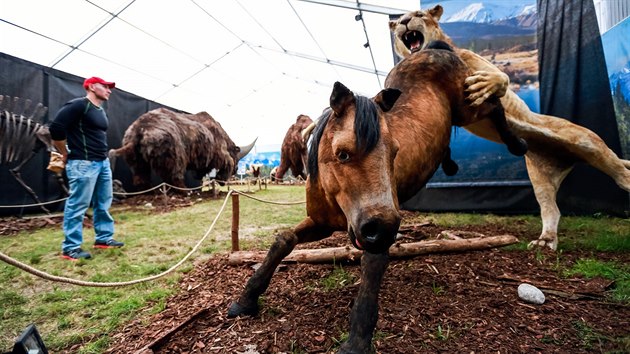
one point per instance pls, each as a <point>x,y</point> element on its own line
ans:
<point>68,314</point>
<point>443,333</point>
<point>337,279</point>
<point>597,232</point>
<point>437,289</point>
<point>620,273</point>
<point>589,337</point>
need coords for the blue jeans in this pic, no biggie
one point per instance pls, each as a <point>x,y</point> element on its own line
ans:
<point>90,185</point>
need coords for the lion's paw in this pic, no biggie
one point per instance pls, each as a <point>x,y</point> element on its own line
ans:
<point>483,84</point>
<point>542,243</point>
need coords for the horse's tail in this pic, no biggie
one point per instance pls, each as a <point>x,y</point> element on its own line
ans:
<point>449,166</point>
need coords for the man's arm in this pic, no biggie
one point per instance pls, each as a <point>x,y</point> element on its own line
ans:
<point>65,116</point>
<point>60,145</point>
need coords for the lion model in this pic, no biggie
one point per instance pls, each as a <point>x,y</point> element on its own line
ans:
<point>554,144</point>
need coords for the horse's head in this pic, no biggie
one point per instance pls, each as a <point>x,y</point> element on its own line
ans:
<point>352,159</point>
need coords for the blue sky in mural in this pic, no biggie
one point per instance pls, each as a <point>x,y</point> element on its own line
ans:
<point>494,25</point>
<point>617,53</point>
<point>264,158</point>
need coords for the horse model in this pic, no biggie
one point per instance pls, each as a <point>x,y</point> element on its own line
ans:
<point>367,156</point>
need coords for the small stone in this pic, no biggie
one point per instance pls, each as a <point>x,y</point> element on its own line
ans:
<point>531,294</point>
<point>148,205</point>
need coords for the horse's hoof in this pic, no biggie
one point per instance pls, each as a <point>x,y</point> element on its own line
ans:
<point>345,349</point>
<point>237,310</point>
<point>518,147</point>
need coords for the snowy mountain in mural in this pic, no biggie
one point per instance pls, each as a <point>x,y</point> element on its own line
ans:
<point>617,53</point>
<point>621,79</point>
<point>488,12</point>
<point>489,20</point>
<point>503,32</point>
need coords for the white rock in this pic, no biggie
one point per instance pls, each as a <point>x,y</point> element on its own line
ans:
<point>531,294</point>
<point>148,205</point>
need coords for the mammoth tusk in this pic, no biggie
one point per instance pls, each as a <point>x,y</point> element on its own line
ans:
<point>306,133</point>
<point>245,150</point>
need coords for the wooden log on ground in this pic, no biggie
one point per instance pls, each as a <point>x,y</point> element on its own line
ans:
<point>347,253</point>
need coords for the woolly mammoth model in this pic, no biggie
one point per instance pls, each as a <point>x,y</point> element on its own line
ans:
<point>170,143</point>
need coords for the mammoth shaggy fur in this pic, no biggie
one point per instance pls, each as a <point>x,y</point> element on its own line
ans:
<point>169,143</point>
<point>293,151</point>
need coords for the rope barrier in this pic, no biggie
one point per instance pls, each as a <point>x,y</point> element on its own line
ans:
<point>183,188</point>
<point>44,275</point>
<point>115,193</point>
<point>268,201</point>
<point>47,276</point>
<point>289,178</point>
<point>140,192</point>
<point>163,184</point>
<point>30,205</point>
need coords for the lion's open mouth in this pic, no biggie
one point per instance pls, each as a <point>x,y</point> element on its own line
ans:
<point>413,40</point>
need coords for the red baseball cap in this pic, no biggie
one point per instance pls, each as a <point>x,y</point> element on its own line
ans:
<point>97,80</point>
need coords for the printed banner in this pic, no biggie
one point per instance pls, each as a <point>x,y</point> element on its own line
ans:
<point>616,45</point>
<point>503,32</point>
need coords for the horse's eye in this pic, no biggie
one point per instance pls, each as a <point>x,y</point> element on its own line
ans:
<point>343,156</point>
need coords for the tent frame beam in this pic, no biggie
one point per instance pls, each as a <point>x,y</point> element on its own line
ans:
<point>359,6</point>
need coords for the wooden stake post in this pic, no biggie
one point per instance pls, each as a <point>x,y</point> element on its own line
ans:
<point>235,222</point>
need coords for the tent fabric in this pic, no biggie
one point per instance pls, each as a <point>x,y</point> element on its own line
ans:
<point>574,85</point>
<point>224,58</point>
<point>479,199</point>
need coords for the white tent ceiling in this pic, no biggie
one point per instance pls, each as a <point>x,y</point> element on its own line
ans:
<point>254,65</point>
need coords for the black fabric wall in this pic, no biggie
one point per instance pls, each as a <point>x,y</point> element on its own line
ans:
<point>574,85</point>
<point>24,79</point>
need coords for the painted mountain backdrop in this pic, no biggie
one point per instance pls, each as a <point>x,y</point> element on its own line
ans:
<point>617,53</point>
<point>487,11</point>
<point>474,24</point>
<point>503,32</point>
<point>621,81</point>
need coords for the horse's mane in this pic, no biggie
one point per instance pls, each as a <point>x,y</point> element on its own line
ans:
<point>367,131</point>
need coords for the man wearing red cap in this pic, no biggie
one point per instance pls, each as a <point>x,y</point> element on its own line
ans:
<point>79,132</point>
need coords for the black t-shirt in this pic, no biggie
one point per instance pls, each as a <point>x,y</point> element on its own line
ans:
<point>84,126</point>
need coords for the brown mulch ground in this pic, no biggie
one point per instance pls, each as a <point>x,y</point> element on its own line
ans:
<point>439,303</point>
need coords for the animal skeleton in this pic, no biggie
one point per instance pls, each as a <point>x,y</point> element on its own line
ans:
<point>22,136</point>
